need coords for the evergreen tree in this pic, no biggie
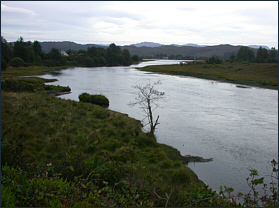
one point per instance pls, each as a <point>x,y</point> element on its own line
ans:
<point>23,50</point>
<point>273,55</point>
<point>127,58</point>
<point>37,48</point>
<point>262,55</point>
<point>245,54</point>
<point>6,51</point>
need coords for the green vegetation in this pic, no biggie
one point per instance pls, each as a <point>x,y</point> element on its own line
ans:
<point>16,62</point>
<point>30,85</point>
<point>27,53</point>
<point>94,99</point>
<point>254,74</point>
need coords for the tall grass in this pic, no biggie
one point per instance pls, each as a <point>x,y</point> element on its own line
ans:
<point>255,74</point>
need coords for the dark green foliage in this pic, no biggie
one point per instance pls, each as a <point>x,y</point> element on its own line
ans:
<point>6,50</point>
<point>180,176</point>
<point>16,62</point>
<point>214,60</point>
<point>16,85</point>
<point>30,85</point>
<point>94,99</point>
<point>245,54</point>
<point>136,58</point>
<point>273,56</point>
<point>262,55</point>
<point>37,48</point>
<point>23,50</point>
<point>57,88</point>
<point>32,54</point>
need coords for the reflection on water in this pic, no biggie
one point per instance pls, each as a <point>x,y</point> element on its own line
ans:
<point>234,125</point>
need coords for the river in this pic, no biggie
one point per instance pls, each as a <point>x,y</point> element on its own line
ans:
<point>237,127</point>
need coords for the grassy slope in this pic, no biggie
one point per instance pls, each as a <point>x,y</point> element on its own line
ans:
<point>254,74</point>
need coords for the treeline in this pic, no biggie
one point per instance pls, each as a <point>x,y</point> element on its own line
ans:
<point>262,55</point>
<point>247,54</point>
<point>30,53</point>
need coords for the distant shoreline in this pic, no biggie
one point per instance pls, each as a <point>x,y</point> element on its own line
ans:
<point>263,75</point>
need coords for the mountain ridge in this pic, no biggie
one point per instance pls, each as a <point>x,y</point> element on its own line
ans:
<point>150,49</point>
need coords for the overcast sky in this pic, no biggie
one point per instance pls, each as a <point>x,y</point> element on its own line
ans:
<point>128,22</point>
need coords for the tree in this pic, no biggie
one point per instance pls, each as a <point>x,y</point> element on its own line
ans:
<point>245,54</point>
<point>55,54</point>
<point>273,55</point>
<point>37,48</point>
<point>6,52</point>
<point>147,99</point>
<point>262,55</point>
<point>214,60</point>
<point>23,50</point>
<point>127,58</point>
<point>135,58</point>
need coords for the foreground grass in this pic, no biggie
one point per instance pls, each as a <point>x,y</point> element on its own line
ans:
<point>254,74</point>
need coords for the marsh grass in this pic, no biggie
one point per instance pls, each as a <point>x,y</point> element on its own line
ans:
<point>28,71</point>
<point>255,74</point>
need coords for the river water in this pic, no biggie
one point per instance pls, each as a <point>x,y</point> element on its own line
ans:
<point>237,127</point>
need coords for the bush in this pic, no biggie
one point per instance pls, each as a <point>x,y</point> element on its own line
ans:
<point>16,62</point>
<point>94,99</point>
<point>214,60</point>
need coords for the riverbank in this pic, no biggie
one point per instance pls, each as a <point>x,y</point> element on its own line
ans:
<point>263,75</point>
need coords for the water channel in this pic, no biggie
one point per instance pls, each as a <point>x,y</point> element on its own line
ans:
<point>237,127</point>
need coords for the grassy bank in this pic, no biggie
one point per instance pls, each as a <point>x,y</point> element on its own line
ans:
<point>28,71</point>
<point>254,74</point>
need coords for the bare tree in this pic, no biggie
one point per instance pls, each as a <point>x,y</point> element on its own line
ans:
<point>147,99</point>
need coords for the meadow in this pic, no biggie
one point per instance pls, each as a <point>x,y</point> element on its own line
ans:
<point>254,74</point>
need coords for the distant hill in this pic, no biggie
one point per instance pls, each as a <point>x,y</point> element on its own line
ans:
<point>205,51</point>
<point>66,45</point>
<point>147,44</point>
<point>257,47</point>
<point>153,45</point>
<point>150,49</point>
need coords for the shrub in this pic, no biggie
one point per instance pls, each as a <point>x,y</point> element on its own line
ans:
<point>214,60</point>
<point>94,99</point>
<point>16,62</point>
